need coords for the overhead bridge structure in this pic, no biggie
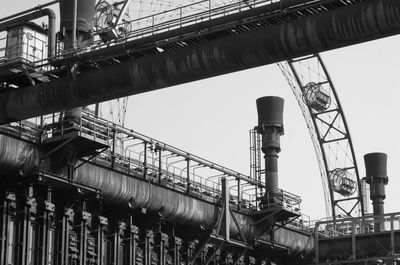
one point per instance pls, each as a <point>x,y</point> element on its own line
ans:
<point>198,46</point>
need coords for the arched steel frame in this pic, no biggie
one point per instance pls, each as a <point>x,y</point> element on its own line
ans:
<point>330,135</point>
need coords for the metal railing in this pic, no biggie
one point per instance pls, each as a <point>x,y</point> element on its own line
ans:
<point>24,47</point>
<point>171,19</point>
<point>281,199</point>
<point>358,226</point>
<point>144,157</point>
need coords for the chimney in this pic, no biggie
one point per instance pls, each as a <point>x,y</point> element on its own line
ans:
<point>376,177</point>
<point>270,126</point>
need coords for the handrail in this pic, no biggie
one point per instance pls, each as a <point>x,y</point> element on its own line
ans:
<point>178,22</point>
<point>169,174</point>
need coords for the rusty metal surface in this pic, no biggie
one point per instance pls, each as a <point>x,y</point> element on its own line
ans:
<point>337,28</point>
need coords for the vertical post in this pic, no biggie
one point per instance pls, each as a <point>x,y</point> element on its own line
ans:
<point>133,241</point>
<point>209,9</point>
<point>145,161</point>
<point>392,242</point>
<point>316,243</point>
<point>177,250</point>
<point>97,110</point>
<point>69,241</point>
<point>8,229</point>
<point>239,194</point>
<point>149,243</point>
<point>180,17</point>
<point>226,214</point>
<point>188,174</point>
<point>163,247</point>
<point>113,148</point>
<point>85,224</point>
<point>75,14</point>
<point>190,252</point>
<point>120,238</point>
<point>102,241</point>
<point>353,241</point>
<point>47,231</point>
<point>159,165</point>
<point>28,235</point>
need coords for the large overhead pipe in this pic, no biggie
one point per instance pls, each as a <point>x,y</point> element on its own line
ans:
<point>13,23</point>
<point>334,29</point>
<point>376,177</point>
<point>270,126</point>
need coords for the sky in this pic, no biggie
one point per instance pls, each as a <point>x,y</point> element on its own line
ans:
<point>212,118</point>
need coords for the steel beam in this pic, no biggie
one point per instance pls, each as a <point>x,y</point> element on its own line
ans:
<point>334,29</point>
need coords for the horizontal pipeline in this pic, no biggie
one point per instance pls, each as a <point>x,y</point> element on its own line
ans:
<point>18,156</point>
<point>334,29</point>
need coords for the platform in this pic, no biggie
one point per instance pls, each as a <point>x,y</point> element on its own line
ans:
<point>21,72</point>
<point>88,141</point>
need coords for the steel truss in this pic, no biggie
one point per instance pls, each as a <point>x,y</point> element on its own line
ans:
<point>321,108</point>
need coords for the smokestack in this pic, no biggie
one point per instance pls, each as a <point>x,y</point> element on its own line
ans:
<point>85,11</point>
<point>270,126</point>
<point>76,22</point>
<point>376,177</point>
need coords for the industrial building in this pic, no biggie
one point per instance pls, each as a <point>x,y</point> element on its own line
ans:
<point>77,188</point>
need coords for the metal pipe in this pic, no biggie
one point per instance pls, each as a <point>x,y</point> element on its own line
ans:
<point>376,177</point>
<point>270,126</point>
<point>334,29</point>
<point>74,17</point>
<point>37,8</point>
<point>29,17</point>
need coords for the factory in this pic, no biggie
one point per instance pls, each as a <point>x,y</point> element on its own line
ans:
<point>78,188</point>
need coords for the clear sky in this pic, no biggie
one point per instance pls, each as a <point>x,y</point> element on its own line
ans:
<point>211,118</point>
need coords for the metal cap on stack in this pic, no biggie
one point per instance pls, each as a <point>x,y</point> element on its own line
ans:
<point>376,167</point>
<point>270,111</point>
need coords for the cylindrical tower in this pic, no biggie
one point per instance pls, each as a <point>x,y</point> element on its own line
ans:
<point>376,177</point>
<point>76,23</point>
<point>270,126</point>
<point>79,17</point>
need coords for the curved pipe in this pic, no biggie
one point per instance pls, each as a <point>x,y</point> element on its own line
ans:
<point>31,16</point>
<point>334,29</point>
<point>28,11</point>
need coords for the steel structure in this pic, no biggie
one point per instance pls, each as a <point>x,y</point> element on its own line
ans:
<point>78,189</point>
<point>321,108</point>
<point>349,240</point>
<point>145,190</point>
